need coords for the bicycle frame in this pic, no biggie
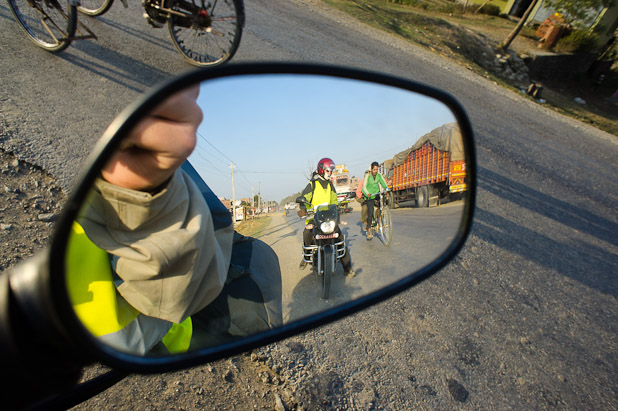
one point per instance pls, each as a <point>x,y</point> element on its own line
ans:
<point>376,210</point>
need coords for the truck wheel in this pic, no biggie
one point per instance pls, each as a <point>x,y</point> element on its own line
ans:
<point>391,200</point>
<point>434,196</point>
<point>422,197</point>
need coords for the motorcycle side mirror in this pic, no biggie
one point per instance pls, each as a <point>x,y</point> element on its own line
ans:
<point>145,273</point>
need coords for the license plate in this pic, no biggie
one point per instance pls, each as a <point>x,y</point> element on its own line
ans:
<point>326,236</point>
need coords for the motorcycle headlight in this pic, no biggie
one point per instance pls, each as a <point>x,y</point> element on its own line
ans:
<point>328,227</point>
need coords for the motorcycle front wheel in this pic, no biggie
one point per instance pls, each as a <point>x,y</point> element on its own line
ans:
<point>328,264</point>
<point>208,35</point>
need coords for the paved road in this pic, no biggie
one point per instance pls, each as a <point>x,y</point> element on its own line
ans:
<point>525,317</point>
<point>421,235</point>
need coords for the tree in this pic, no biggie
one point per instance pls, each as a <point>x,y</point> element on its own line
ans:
<point>582,13</point>
<point>509,39</point>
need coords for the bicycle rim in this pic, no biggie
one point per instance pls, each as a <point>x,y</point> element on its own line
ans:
<point>50,24</point>
<point>211,44</point>
<point>94,7</point>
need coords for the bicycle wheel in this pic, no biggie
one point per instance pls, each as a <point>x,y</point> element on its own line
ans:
<point>50,24</point>
<point>94,7</point>
<point>211,34</point>
<point>386,226</point>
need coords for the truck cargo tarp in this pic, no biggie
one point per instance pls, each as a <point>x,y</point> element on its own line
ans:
<point>445,138</point>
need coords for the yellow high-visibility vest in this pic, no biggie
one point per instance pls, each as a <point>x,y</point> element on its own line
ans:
<point>104,312</point>
<point>321,195</point>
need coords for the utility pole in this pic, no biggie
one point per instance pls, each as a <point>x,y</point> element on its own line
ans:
<point>259,194</point>
<point>233,196</point>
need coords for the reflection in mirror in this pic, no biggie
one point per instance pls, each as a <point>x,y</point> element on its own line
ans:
<point>338,188</point>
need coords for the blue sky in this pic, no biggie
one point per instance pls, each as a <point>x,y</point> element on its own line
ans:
<point>274,128</point>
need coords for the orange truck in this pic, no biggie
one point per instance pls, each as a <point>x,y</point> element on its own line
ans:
<point>432,170</point>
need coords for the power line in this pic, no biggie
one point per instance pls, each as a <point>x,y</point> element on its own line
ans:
<point>213,146</point>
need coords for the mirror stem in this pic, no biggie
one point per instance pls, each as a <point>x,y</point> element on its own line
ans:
<point>35,356</point>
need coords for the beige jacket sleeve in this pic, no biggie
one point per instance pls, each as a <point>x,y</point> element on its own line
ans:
<point>171,260</point>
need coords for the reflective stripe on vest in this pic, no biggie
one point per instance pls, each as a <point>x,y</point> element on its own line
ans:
<point>102,309</point>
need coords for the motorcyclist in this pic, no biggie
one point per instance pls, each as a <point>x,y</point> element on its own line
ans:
<point>320,190</point>
<point>371,187</point>
<point>167,244</point>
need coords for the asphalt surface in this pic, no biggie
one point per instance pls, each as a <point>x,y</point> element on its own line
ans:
<point>421,235</point>
<point>525,317</point>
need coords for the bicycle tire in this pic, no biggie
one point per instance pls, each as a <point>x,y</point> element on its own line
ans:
<point>329,269</point>
<point>386,225</point>
<point>46,22</point>
<point>94,8</point>
<point>203,44</point>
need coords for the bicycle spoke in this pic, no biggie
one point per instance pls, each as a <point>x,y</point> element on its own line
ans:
<point>205,38</point>
<point>46,17</point>
<point>47,23</point>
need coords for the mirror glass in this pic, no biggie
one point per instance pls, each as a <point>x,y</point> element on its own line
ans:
<point>153,264</point>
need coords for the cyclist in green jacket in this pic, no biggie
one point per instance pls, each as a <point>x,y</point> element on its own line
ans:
<point>371,187</point>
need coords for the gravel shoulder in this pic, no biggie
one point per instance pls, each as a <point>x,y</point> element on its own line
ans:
<point>30,201</point>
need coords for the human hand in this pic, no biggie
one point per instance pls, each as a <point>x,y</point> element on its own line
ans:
<point>158,145</point>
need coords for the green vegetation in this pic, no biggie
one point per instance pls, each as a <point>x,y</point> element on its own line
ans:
<point>577,41</point>
<point>576,12</point>
<point>289,199</point>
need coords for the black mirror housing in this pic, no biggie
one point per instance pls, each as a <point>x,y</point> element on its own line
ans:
<point>42,296</point>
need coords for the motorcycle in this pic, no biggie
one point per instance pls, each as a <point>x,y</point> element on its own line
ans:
<point>329,247</point>
<point>45,342</point>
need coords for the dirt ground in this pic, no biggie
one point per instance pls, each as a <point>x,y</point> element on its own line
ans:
<point>473,39</point>
<point>560,93</point>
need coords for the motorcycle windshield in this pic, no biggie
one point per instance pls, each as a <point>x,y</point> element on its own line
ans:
<point>326,212</point>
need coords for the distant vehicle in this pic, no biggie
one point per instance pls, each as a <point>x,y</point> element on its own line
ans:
<point>434,168</point>
<point>341,181</point>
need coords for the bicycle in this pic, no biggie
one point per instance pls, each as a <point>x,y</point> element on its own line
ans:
<point>205,34</point>
<point>382,222</point>
<point>50,24</point>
